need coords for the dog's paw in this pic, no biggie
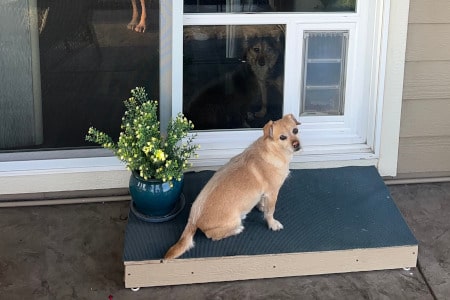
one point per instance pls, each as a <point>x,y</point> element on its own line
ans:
<point>141,27</point>
<point>275,225</point>
<point>239,229</point>
<point>261,113</point>
<point>132,24</point>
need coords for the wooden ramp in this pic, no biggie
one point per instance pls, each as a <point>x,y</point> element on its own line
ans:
<point>335,221</point>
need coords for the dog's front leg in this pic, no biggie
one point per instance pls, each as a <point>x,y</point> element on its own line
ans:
<point>142,26</point>
<point>268,204</point>
<point>263,88</point>
<point>134,17</point>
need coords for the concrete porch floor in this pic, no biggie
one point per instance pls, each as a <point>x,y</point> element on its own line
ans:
<point>75,252</point>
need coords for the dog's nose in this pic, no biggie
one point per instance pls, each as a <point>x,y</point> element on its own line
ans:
<point>296,145</point>
<point>261,61</point>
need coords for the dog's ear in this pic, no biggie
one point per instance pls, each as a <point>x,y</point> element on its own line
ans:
<point>268,130</point>
<point>294,119</point>
<point>245,39</point>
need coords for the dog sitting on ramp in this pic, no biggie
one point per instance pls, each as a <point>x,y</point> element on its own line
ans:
<point>252,178</point>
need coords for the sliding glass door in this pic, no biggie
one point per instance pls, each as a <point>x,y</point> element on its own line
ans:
<point>229,65</point>
<point>85,58</point>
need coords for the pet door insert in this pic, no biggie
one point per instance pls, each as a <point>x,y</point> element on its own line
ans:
<point>324,69</point>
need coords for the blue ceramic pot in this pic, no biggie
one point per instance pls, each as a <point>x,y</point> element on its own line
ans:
<point>153,197</point>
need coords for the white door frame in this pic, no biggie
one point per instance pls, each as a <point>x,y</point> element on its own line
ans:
<point>69,174</point>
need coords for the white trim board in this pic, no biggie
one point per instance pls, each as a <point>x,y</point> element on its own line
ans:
<point>60,178</point>
<point>396,15</point>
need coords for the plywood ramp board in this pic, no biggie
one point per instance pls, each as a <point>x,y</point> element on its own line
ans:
<point>336,221</point>
<point>188,271</point>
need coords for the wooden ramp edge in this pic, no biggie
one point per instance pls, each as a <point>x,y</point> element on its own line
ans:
<point>216,269</point>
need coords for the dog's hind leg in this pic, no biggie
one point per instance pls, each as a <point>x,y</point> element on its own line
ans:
<point>219,233</point>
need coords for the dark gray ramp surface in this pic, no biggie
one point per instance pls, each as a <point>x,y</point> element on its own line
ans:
<point>321,210</point>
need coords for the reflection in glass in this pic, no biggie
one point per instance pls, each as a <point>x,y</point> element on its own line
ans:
<point>92,53</point>
<point>233,75</point>
<point>223,6</point>
<point>324,72</point>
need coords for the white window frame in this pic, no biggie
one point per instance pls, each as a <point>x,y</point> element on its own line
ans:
<point>326,138</point>
<point>26,174</point>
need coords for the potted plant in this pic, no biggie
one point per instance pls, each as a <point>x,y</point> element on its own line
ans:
<point>157,161</point>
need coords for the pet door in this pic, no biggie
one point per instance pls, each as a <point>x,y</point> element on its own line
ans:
<point>324,66</point>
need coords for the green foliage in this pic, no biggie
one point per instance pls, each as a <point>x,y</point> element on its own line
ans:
<point>142,147</point>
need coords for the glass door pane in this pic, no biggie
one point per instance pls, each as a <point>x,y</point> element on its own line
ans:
<point>91,54</point>
<point>324,72</point>
<point>220,6</point>
<point>233,75</point>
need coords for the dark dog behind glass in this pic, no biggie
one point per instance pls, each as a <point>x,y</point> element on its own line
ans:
<point>248,96</point>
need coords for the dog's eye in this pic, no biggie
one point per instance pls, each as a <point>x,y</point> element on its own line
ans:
<point>283,137</point>
<point>295,131</point>
<point>256,49</point>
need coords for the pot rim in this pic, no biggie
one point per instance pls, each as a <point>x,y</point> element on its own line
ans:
<point>154,180</point>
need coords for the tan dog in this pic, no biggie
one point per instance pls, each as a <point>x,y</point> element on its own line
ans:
<point>251,178</point>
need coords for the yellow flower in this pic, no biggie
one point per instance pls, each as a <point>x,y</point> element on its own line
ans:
<point>160,155</point>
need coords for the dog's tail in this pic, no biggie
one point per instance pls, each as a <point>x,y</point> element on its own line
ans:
<point>185,242</point>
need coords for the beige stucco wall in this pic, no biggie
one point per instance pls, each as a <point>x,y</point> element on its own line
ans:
<point>424,149</point>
